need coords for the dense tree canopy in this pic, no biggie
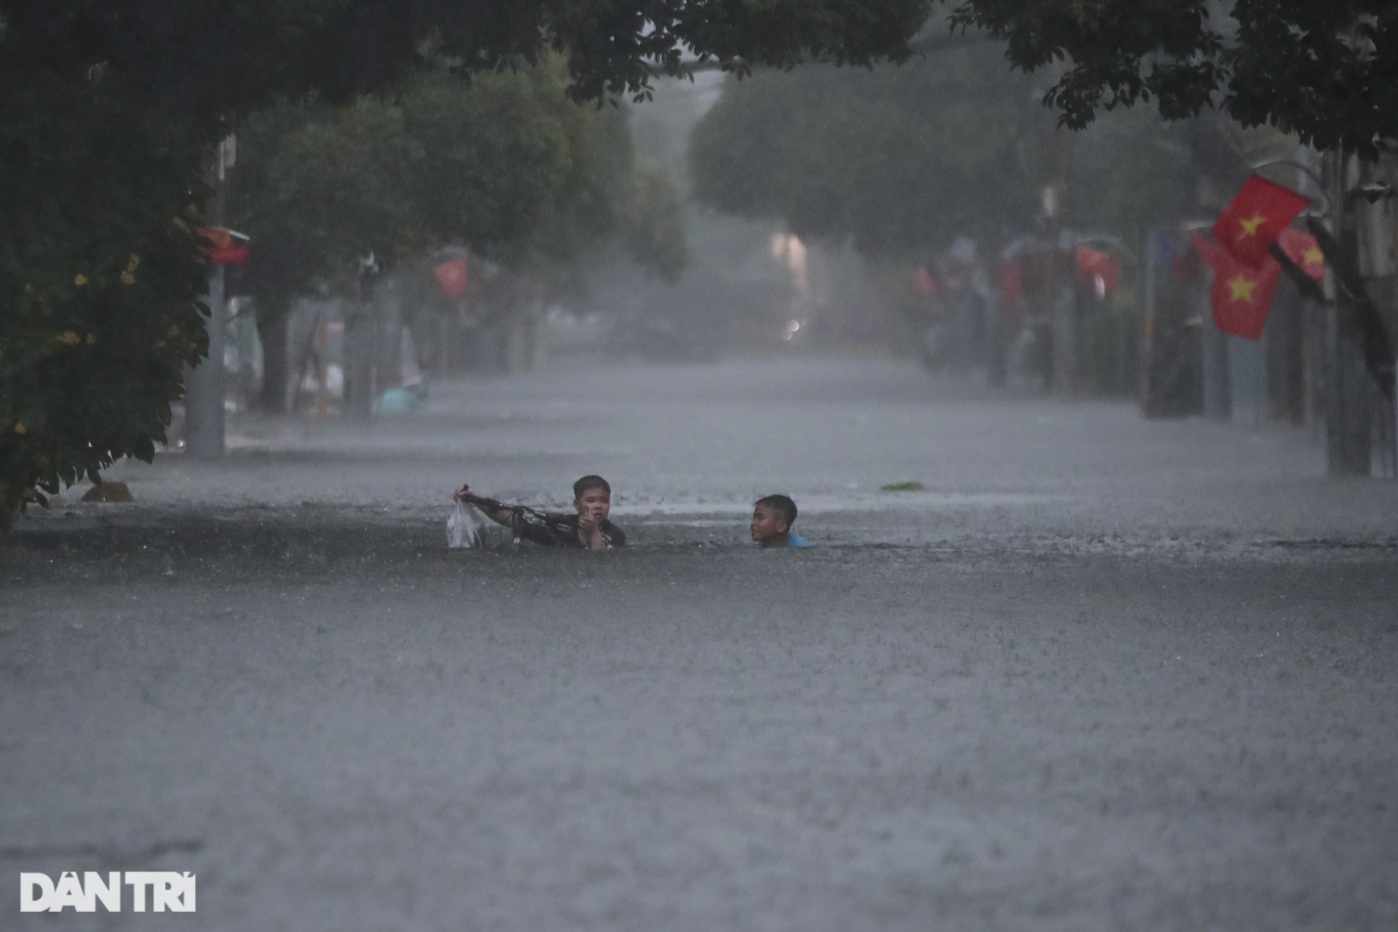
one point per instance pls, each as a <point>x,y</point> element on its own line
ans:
<point>484,165</point>
<point>97,285</point>
<point>158,82</point>
<point>112,106</point>
<point>504,165</point>
<point>901,161</point>
<point>1324,70</point>
<point>897,160</point>
<point>210,60</point>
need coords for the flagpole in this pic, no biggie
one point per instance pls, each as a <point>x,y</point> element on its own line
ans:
<point>204,383</point>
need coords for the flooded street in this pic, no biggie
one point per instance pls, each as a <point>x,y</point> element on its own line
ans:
<point>1099,672</point>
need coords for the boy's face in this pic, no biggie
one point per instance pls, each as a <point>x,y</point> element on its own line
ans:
<point>595,503</point>
<point>767,524</point>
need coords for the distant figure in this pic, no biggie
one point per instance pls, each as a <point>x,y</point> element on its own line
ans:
<point>588,529</point>
<point>772,518</point>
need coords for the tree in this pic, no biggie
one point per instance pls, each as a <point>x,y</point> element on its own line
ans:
<point>206,63</point>
<point>902,161</point>
<point>653,228</point>
<point>505,166</point>
<point>899,161</point>
<point>151,85</point>
<point>98,285</point>
<point>319,188</point>
<point>1325,72</point>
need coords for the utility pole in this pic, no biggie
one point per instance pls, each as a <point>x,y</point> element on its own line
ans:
<point>1349,448</point>
<point>1062,296</point>
<point>1377,265</point>
<point>1216,388</point>
<point>204,388</point>
<point>360,377</point>
<point>1210,169</point>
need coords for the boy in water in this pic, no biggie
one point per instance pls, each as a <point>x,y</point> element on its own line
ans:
<point>772,518</point>
<point>588,529</point>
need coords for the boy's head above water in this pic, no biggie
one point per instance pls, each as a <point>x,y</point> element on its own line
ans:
<point>772,517</point>
<point>592,496</point>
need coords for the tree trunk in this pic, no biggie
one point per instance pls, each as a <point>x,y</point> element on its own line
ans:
<point>1349,439</point>
<point>273,320</point>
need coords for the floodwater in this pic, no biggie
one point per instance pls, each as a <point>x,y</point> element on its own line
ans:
<point>1099,673</point>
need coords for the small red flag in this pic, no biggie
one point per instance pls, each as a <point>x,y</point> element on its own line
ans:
<point>226,247</point>
<point>1241,296</point>
<point>451,275</point>
<point>1303,249</point>
<point>1255,217</point>
<point>1098,268</point>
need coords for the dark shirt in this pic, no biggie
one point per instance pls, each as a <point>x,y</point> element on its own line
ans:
<point>555,530</point>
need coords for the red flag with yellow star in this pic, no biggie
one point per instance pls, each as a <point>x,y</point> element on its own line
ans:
<point>1255,217</point>
<point>1303,249</point>
<point>1241,296</point>
<point>225,246</point>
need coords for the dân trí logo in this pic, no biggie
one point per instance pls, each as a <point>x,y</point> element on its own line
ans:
<point>158,891</point>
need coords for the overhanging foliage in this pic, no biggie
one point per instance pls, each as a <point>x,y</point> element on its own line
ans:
<point>1324,70</point>
<point>99,285</point>
<point>111,106</point>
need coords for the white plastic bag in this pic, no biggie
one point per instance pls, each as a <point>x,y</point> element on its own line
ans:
<point>464,526</point>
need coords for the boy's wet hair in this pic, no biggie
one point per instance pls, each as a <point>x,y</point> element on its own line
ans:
<point>588,483</point>
<point>781,504</point>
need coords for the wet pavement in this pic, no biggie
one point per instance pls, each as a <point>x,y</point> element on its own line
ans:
<point>1099,673</point>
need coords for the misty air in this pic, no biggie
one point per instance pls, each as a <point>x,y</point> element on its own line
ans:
<point>690,466</point>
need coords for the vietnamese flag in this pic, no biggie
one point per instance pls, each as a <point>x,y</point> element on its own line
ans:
<point>1241,296</point>
<point>225,246</point>
<point>1302,249</point>
<point>1255,217</point>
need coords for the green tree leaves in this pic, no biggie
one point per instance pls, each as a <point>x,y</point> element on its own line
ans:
<point>110,106</point>
<point>505,165</point>
<point>896,160</point>
<point>99,281</point>
<point>1323,71</point>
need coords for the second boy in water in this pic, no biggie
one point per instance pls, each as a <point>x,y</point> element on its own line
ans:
<point>772,517</point>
